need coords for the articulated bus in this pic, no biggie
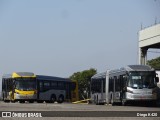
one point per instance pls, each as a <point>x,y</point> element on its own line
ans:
<point>125,85</point>
<point>20,86</point>
<point>25,86</point>
<point>51,89</point>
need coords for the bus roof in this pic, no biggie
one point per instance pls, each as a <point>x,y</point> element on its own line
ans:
<point>52,78</point>
<point>18,75</point>
<point>99,75</point>
<point>138,68</point>
<point>127,68</point>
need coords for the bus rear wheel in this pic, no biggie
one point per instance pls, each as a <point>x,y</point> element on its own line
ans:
<point>60,99</point>
<point>53,98</point>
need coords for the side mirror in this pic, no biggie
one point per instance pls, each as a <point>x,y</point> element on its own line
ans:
<point>157,79</point>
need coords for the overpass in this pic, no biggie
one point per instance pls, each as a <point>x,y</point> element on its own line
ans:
<point>148,38</point>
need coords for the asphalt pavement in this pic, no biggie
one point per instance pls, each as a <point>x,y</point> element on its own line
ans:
<point>69,111</point>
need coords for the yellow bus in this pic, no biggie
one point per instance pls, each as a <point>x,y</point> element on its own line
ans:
<point>26,86</point>
<point>19,86</point>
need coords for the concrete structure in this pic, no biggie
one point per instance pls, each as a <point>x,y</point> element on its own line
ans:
<point>148,38</point>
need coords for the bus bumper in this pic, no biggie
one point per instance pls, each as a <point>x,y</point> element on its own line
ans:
<point>147,97</point>
<point>25,97</point>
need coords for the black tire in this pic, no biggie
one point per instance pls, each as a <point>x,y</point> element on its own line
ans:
<point>53,98</point>
<point>60,99</point>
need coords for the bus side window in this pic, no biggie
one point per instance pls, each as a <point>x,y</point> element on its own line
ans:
<point>121,82</point>
<point>110,84</point>
<point>61,85</point>
<point>54,84</point>
<point>46,86</point>
<point>117,83</point>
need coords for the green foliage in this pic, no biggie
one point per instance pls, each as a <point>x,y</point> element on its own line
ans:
<point>155,63</point>
<point>84,79</point>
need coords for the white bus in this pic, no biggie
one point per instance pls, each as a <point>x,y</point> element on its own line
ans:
<point>124,85</point>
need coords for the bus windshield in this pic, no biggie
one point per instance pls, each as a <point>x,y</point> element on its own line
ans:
<point>25,84</point>
<point>139,80</point>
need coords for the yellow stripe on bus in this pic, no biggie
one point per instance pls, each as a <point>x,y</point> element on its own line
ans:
<point>15,75</point>
<point>24,92</point>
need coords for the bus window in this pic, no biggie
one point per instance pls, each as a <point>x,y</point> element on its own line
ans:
<point>46,86</point>
<point>117,84</point>
<point>54,84</point>
<point>110,84</point>
<point>61,85</point>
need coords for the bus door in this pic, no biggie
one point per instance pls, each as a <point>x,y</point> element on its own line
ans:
<point>39,88</point>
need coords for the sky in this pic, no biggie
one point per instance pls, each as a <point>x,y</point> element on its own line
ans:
<point>60,37</point>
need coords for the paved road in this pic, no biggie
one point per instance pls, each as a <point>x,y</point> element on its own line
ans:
<point>73,107</point>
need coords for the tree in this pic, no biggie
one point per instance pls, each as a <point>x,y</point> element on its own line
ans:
<point>84,79</point>
<point>155,63</point>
